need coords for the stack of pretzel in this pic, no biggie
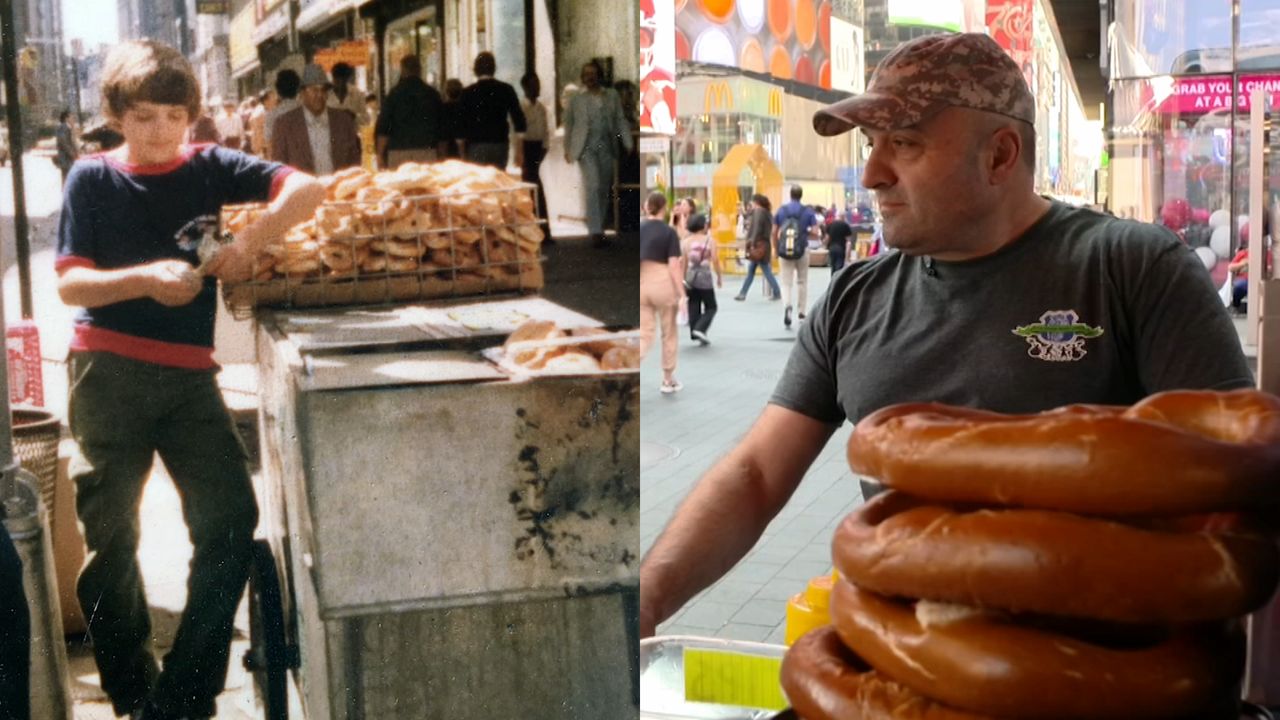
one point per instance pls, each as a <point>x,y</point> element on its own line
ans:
<point>450,218</point>
<point>1088,562</point>
<point>543,346</point>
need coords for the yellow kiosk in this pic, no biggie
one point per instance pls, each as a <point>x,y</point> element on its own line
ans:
<point>744,162</point>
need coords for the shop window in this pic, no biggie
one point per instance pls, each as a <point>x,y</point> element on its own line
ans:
<point>1172,37</point>
<point>1259,35</point>
<point>506,21</point>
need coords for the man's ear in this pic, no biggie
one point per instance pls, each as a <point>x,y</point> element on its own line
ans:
<point>1006,154</point>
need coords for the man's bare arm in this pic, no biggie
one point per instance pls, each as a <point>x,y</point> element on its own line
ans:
<point>727,511</point>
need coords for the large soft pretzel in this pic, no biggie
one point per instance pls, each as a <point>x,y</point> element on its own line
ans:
<point>1021,560</point>
<point>995,667</point>
<point>1096,460</point>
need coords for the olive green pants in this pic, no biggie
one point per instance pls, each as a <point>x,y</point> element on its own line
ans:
<point>123,412</point>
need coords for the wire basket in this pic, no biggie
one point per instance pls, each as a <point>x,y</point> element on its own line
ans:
<point>380,249</point>
<point>36,434</point>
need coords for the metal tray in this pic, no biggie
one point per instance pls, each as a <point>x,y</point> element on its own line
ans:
<point>662,679</point>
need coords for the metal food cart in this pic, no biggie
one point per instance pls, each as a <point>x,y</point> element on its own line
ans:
<point>442,540</point>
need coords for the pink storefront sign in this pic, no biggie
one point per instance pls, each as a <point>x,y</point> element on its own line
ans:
<point>1206,93</point>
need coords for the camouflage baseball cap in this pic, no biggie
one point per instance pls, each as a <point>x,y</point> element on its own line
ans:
<point>925,76</point>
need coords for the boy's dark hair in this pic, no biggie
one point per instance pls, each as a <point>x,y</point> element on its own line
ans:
<point>655,203</point>
<point>342,72</point>
<point>147,71</point>
<point>288,82</point>
<point>797,192</point>
<point>452,89</point>
<point>527,79</point>
<point>697,222</point>
<point>485,64</point>
<point>62,116</point>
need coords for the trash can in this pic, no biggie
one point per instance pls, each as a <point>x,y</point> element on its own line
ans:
<point>36,434</point>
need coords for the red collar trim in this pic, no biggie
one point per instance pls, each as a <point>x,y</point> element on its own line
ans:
<point>185,153</point>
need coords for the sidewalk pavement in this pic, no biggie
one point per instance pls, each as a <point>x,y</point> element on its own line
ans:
<point>598,282</point>
<point>726,385</point>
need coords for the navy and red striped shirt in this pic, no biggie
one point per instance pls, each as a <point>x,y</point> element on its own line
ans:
<point>116,215</point>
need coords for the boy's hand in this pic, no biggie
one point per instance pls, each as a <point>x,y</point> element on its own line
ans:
<point>232,264</point>
<point>173,282</point>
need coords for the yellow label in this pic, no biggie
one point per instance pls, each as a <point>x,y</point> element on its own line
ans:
<point>726,678</point>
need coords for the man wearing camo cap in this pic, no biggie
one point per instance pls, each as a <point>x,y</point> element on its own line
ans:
<point>996,298</point>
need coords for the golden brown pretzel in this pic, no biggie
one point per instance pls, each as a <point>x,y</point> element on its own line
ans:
<point>1020,560</point>
<point>1086,459</point>
<point>824,680</point>
<point>992,666</point>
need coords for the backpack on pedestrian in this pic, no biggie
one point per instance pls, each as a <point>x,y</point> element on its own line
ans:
<point>791,238</point>
<point>699,275</point>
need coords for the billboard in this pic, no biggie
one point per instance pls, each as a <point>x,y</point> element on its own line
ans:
<point>789,39</point>
<point>657,67</point>
<point>945,14</point>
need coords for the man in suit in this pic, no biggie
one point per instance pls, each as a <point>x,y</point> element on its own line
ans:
<point>67,152</point>
<point>593,127</point>
<point>316,138</point>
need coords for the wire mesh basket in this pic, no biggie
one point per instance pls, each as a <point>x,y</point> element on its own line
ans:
<point>383,246</point>
<point>36,434</point>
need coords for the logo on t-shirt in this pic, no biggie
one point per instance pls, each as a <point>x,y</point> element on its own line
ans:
<point>1058,337</point>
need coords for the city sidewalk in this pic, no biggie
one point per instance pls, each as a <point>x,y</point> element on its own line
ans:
<point>726,385</point>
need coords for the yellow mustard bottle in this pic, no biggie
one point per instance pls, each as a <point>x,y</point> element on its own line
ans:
<point>808,610</point>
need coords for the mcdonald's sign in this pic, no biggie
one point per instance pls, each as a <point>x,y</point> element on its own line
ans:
<point>775,102</point>
<point>718,96</point>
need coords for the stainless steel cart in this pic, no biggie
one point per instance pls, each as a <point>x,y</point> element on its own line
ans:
<point>442,540</point>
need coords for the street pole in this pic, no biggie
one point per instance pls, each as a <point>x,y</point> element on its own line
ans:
<point>9,59</point>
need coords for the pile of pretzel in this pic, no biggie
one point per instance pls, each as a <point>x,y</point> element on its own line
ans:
<point>450,216</point>
<point>1087,562</point>
<point>541,346</point>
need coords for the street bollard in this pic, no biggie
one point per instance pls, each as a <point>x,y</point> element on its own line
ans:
<point>26,520</point>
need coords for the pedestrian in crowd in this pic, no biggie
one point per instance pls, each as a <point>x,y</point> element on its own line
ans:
<point>288,82</point>
<point>685,208</point>
<point>205,128</point>
<point>486,104</point>
<point>371,107</point>
<point>661,287</point>
<point>454,125</point>
<point>315,137</point>
<point>760,247</point>
<point>793,225</point>
<point>143,376</point>
<point>702,275</point>
<point>15,636</point>
<point>230,126</point>
<point>257,127</point>
<point>533,147</point>
<point>945,319</point>
<point>628,190</point>
<point>593,128</point>
<point>837,233</point>
<point>344,95</point>
<point>409,125</point>
<point>248,107</point>
<point>65,139</point>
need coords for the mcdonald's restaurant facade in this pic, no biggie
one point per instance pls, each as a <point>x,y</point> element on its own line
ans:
<point>718,109</point>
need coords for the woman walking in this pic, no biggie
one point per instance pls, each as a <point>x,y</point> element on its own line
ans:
<point>699,265</point>
<point>661,287</point>
<point>760,247</point>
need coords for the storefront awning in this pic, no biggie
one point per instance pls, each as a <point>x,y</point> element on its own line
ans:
<point>274,24</point>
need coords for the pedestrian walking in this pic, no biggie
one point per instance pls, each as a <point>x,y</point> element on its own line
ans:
<point>230,124</point>
<point>837,234</point>
<point>486,105</point>
<point>410,124</point>
<point>257,129</point>
<point>344,95</point>
<point>702,275</point>
<point>533,146</point>
<point>142,373</point>
<point>661,287</point>
<point>594,126</point>
<point>453,124</point>
<point>65,138</point>
<point>288,83</point>
<point>315,137</point>
<point>793,225</point>
<point>685,209</point>
<point>760,247</point>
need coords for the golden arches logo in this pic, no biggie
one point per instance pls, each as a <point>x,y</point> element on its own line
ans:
<point>775,102</point>
<point>718,97</point>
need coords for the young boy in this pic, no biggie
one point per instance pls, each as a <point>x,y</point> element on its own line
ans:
<point>143,377</point>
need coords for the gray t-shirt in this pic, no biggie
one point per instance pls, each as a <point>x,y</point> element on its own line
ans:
<point>1083,308</point>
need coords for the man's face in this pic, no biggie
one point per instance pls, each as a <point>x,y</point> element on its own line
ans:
<point>928,181</point>
<point>314,97</point>
<point>154,132</point>
<point>590,77</point>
